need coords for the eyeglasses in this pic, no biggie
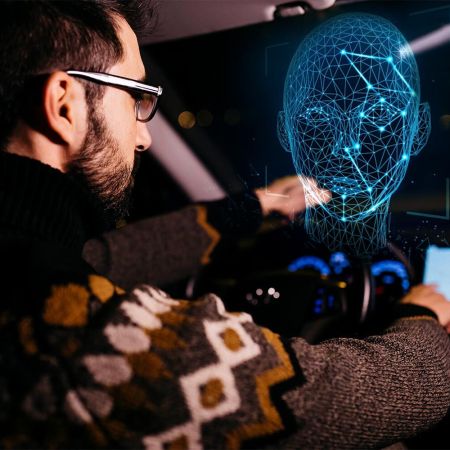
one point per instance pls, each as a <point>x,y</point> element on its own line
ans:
<point>146,96</point>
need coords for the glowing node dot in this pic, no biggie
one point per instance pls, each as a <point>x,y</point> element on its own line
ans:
<point>369,189</point>
<point>404,157</point>
<point>347,149</point>
<point>382,99</point>
<point>343,52</point>
<point>344,197</point>
<point>362,115</point>
<point>403,113</point>
<point>344,219</point>
<point>390,59</point>
<point>369,86</point>
<point>357,146</point>
<point>382,129</point>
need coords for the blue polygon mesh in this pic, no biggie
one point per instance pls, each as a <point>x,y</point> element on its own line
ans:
<point>351,114</point>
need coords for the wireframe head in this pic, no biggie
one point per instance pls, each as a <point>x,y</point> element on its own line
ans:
<point>352,115</point>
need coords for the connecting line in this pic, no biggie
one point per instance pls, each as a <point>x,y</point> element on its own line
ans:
<point>359,72</point>
<point>361,55</point>
<point>447,216</point>
<point>357,169</point>
<point>426,11</point>
<point>385,189</point>
<point>380,202</point>
<point>447,206</point>
<point>378,58</point>
<point>273,194</point>
<point>411,90</point>
<point>393,118</point>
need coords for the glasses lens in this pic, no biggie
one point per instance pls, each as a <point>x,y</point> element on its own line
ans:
<point>146,107</point>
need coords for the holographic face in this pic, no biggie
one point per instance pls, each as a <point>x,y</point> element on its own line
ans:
<point>352,116</point>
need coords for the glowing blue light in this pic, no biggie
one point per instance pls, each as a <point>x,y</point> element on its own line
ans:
<point>392,266</point>
<point>338,262</point>
<point>388,279</point>
<point>310,262</point>
<point>331,301</point>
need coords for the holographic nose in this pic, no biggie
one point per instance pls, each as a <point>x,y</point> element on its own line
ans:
<point>346,148</point>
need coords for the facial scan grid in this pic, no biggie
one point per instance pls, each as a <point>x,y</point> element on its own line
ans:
<point>352,119</point>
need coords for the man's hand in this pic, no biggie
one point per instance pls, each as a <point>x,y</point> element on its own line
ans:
<point>427,295</point>
<point>286,196</point>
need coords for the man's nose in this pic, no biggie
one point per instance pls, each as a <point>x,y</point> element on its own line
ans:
<point>143,138</point>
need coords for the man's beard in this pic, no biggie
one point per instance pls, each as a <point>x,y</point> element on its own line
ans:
<point>100,168</point>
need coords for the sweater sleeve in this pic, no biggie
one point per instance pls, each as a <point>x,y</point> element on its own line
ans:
<point>167,248</point>
<point>372,392</point>
<point>174,372</point>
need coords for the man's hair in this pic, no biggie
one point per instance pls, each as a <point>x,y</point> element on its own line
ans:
<point>38,37</point>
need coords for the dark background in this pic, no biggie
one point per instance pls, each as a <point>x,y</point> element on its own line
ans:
<point>238,76</point>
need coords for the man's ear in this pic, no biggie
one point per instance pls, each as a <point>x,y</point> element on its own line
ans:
<point>423,129</point>
<point>63,102</point>
<point>282,131</point>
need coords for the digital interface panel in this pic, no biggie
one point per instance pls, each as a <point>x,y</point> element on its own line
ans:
<point>437,269</point>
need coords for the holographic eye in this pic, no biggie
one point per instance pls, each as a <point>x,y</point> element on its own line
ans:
<point>380,115</point>
<point>317,115</point>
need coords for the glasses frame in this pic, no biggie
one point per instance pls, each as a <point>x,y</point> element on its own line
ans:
<point>127,84</point>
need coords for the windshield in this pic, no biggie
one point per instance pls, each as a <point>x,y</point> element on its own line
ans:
<point>230,85</point>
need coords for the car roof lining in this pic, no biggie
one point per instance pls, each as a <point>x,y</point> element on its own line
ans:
<point>218,15</point>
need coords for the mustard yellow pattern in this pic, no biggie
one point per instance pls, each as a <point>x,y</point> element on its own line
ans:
<point>202,220</point>
<point>101,287</point>
<point>264,381</point>
<point>67,306</point>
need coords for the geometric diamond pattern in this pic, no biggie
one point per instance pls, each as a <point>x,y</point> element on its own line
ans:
<point>210,392</point>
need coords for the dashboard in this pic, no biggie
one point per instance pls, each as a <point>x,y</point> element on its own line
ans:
<point>297,288</point>
<point>391,278</point>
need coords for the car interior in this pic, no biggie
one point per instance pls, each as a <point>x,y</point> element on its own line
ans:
<point>222,65</point>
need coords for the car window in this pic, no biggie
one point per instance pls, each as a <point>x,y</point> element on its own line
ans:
<point>229,86</point>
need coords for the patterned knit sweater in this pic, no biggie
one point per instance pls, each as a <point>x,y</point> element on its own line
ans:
<point>84,364</point>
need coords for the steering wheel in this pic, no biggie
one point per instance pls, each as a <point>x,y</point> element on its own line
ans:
<point>252,275</point>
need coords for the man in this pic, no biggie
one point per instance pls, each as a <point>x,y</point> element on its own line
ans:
<point>84,364</point>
